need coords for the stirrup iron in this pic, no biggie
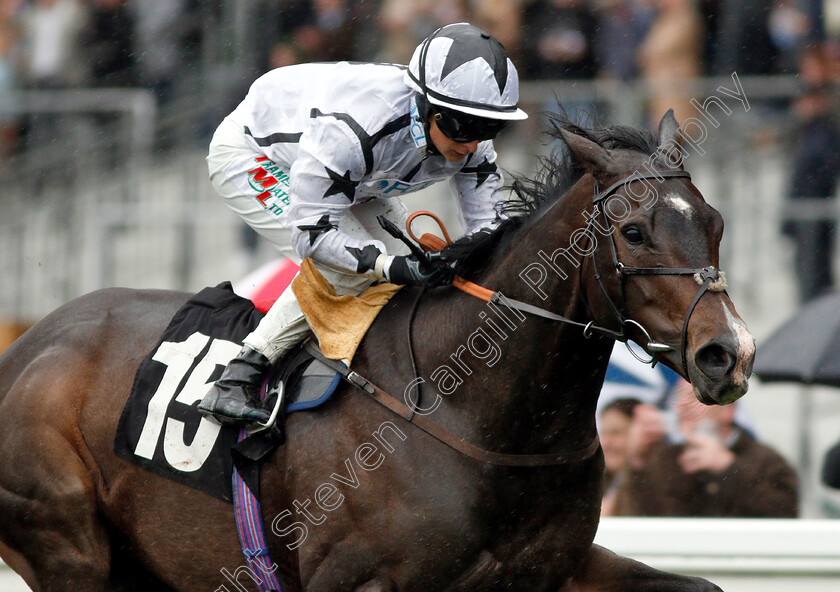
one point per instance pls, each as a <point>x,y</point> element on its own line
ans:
<point>257,427</point>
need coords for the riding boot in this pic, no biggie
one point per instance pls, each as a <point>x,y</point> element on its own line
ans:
<point>234,398</point>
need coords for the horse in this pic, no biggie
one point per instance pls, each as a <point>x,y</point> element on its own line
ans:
<point>618,244</point>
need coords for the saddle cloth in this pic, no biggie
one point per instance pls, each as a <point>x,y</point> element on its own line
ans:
<point>160,428</point>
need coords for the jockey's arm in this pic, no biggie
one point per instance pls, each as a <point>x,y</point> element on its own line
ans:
<point>479,189</point>
<point>323,188</point>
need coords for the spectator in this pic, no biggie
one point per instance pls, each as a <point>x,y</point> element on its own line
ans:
<point>743,42</point>
<point>670,56</point>
<point>330,33</point>
<point>789,28</point>
<point>107,43</point>
<point>51,59</point>
<point>719,470</point>
<point>405,23</point>
<point>279,21</point>
<point>282,54</point>
<point>9,124</point>
<point>613,426</point>
<point>621,26</point>
<point>831,467</point>
<point>558,39</point>
<point>157,43</point>
<point>816,163</point>
<point>628,377</point>
<point>51,40</point>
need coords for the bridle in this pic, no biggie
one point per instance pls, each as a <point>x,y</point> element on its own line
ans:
<point>708,277</point>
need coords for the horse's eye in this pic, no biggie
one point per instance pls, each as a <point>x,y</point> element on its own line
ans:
<point>633,235</point>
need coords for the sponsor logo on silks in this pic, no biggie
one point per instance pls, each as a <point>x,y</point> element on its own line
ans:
<point>272,183</point>
<point>417,129</point>
<point>400,187</point>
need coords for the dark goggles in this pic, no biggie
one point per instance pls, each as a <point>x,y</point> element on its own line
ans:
<point>462,127</point>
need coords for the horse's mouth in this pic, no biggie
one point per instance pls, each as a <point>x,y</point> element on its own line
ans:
<point>720,390</point>
<point>720,368</point>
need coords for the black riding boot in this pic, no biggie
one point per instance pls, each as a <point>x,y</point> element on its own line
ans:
<point>234,398</point>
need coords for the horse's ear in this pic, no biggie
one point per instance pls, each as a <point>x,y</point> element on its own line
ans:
<point>593,157</point>
<point>670,140</point>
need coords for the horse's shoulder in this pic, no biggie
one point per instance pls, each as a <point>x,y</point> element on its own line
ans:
<point>118,302</point>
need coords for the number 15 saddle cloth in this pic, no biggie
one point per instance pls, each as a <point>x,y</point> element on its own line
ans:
<point>160,428</point>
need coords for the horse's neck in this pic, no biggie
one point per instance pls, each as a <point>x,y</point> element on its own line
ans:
<point>538,379</point>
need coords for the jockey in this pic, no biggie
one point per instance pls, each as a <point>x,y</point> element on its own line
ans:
<point>315,152</point>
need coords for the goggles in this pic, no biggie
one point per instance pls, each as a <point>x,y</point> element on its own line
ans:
<point>462,127</point>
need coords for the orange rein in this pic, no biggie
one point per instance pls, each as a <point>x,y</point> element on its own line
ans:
<point>431,242</point>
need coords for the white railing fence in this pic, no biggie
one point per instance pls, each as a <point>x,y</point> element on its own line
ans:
<point>738,555</point>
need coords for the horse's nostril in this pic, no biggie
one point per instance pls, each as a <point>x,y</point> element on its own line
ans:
<point>715,359</point>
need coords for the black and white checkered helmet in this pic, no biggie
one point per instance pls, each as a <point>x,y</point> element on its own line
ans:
<point>463,68</point>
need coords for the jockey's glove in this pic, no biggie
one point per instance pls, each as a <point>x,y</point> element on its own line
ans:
<point>407,270</point>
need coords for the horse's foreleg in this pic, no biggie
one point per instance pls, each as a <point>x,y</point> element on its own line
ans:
<point>377,585</point>
<point>604,571</point>
<point>18,563</point>
<point>482,575</point>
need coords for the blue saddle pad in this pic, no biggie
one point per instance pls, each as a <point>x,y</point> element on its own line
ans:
<point>309,385</point>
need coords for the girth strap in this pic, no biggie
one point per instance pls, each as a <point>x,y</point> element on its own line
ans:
<point>447,437</point>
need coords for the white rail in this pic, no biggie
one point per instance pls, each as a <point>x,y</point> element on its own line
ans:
<point>803,548</point>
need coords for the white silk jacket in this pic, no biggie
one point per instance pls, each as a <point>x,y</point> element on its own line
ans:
<point>341,134</point>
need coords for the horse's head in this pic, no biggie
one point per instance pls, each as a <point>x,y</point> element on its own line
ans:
<point>653,266</point>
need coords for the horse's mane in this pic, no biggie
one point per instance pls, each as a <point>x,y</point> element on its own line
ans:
<point>531,196</point>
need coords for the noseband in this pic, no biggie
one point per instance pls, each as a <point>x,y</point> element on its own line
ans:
<point>709,278</point>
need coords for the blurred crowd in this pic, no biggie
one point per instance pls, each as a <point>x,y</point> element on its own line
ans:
<point>690,460</point>
<point>53,44</point>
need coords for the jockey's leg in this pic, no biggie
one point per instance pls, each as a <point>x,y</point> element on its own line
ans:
<point>234,397</point>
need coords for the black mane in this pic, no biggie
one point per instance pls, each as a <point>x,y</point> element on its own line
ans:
<point>529,197</point>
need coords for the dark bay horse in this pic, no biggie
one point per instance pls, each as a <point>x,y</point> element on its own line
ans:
<point>358,499</point>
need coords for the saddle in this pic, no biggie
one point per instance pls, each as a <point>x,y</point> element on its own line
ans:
<point>301,381</point>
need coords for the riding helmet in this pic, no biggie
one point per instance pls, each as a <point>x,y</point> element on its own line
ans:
<point>465,75</point>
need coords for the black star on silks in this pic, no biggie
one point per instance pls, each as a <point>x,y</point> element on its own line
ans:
<point>470,43</point>
<point>341,184</point>
<point>320,227</point>
<point>366,257</point>
<point>482,171</point>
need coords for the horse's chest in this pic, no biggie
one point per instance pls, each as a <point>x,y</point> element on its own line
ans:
<point>530,541</point>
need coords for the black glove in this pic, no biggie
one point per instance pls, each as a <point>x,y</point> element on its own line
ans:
<point>467,245</point>
<point>408,270</point>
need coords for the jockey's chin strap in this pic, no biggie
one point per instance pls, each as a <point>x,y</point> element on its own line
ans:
<point>709,278</point>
